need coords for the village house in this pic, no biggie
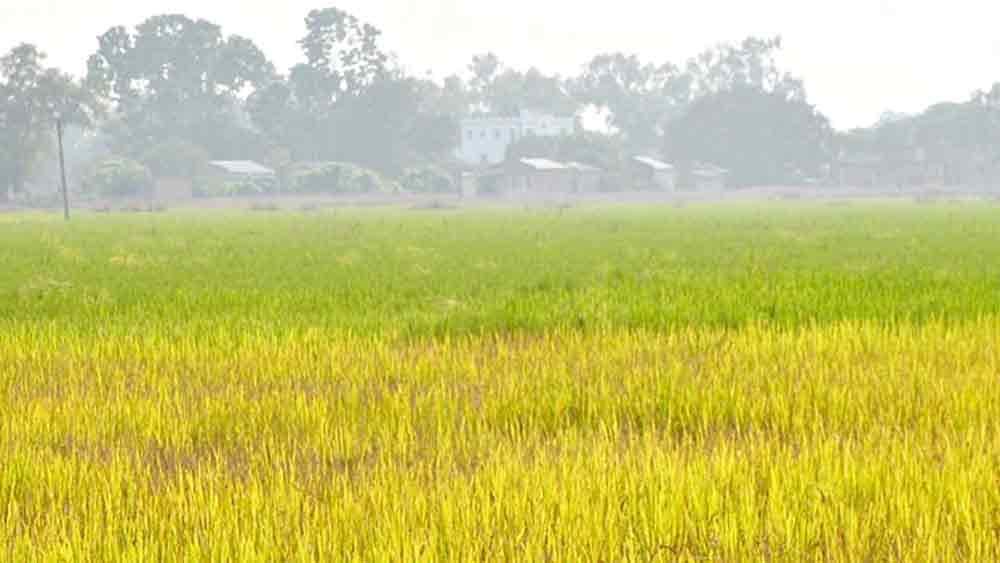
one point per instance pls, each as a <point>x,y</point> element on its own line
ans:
<point>919,168</point>
<point>651,174</point>
<point>468,184</point>
<point>906,169</point>
<point>586,178</point>
<point>484,140</point>
<point>705,177</point>
<point>530,176</point>
<point>240,171</point>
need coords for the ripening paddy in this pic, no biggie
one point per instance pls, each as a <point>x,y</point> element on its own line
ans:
<point>784,382</point>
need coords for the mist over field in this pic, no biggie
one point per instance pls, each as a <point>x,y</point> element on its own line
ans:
<point>659,306</point>
<point>154,103</point>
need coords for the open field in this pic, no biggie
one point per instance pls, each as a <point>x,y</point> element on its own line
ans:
<point>786,382</point>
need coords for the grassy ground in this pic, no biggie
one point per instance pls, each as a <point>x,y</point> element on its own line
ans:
<point>791,383</point>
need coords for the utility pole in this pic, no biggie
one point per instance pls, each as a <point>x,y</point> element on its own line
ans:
<point>62,167</point>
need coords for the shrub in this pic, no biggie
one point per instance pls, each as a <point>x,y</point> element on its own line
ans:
<point>234,188</point>
<point>242,188</point>
<point>119,177</point>
<point>339,178</point>
<point>429,179</point>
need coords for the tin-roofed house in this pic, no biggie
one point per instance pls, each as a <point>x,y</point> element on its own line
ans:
<point>241,169</point>
<point>586,178</point>
<point>705,177</point>
<point>239,177</point>
<point>528,176</point>
<point>651,174</point>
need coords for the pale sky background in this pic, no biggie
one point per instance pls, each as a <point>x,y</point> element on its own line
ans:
<point>858,57</point>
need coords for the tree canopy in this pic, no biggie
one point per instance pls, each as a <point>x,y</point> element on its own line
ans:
<point>761,137</point>
<point>175,77</point>
<point>32,98</point>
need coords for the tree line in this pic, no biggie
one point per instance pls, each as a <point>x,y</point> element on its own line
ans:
<point>175,86</point>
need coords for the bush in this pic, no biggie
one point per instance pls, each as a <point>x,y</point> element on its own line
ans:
<point>430,180</point>
<point>119,177</point>
<point>242,188</point>
<point>234,188</point>
<point>339,178</point>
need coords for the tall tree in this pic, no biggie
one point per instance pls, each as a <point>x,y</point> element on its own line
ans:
<point>32,97</point>
<point>343,59</point>
<point>306,114</point>
<point>484,70</point>
<point>174,77</point>
<point>959,141</point>
<point>451,98</point>
<point>497,89</point>
<point>761,137</point>
<point>514,91</point>
<point>350,102</point>
<point>638,98</point>
<point>751,63</point>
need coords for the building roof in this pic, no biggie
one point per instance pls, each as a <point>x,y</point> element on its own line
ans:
<point>653,163</point>
<point>521,115</point>
<point>543,164</point>
<point>242,167</point>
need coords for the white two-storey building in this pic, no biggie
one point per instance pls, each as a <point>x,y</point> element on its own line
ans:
<point>485,139</point>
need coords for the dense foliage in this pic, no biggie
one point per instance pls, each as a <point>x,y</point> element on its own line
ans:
<point>762,138</point>
<point>429,179</point>
<point>338,178</point>
<point>33,98</point>
<point>119,177</point>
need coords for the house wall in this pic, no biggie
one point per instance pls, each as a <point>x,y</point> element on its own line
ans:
<point>469,185</point>
<point>536,182</point>
<point>554,182</point>
<point>642,177</point>
<point>587,182</point>
<point>709,182</point>
<point>639,177</point>
<point>484,141</point>
<point>173,189</point>
<point>664,180</point>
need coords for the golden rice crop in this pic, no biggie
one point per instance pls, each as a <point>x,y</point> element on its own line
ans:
<point>842,442</point>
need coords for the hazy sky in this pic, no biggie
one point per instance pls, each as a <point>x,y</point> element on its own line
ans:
<point>858,57</point>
